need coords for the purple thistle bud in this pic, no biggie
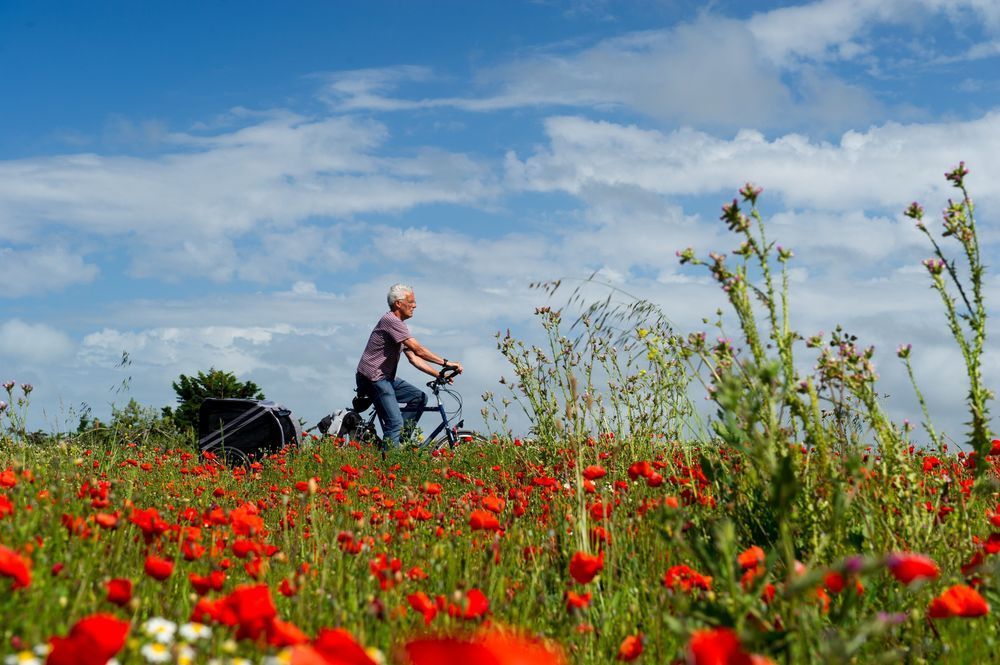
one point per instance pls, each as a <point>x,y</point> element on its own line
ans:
<point>892,618</point>
<point>915,211</point>
<point>8,385</point>
<point>750,193</point>
<point>957,175</point>
<point>27,388</point>
<point>903,350</point>
<point>3,406</point>
<point>854,564</point>
<point>934,266</point>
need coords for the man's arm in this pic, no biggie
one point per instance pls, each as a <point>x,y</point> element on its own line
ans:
<point>417,354</point>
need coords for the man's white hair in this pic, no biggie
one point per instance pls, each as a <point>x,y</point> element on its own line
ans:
<point>397,292</point>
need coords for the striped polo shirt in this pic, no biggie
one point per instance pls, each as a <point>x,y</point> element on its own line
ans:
<point>381,354</point>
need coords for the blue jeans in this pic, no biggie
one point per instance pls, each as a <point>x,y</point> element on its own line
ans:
<point>387,396</point>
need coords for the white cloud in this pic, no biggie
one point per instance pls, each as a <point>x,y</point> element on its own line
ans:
<point>44,268</point>
<point>181,213</point>
<point>706,73</point>
<point>33,342</point>
<point>834,29</point>
<point>884,167</point>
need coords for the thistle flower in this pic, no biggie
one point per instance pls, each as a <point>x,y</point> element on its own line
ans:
<point>957,175</point>
<point>915,211</point>
<point>750,193</point>
<point>27,388</point>
<point>734,218</point>
<point>934,266</point>
<point>903,350</point>
<point>8,386</point>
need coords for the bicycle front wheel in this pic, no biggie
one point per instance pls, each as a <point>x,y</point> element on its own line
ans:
<point>463,437</point>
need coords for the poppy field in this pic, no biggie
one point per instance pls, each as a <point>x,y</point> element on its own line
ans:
<point>798,524</point>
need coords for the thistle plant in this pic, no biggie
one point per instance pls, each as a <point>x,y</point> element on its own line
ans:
<point>965,308</point>
<point>13,410</point>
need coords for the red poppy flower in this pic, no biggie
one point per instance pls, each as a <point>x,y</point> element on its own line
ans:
<point>303,654</point>
<point>577,601</point>
<point>630,649</point>
<point>686,578</point>
<point>8,478</point>
<point>250,607</point>
<point>751,558</point>
<point>640,469</point>
<point>285,634</point>
<point>958,601</point>
<point>594,471</point>
<point>339,647</point>
<point>584,567</point>
<point>213,580</point>
<point>491,648</point>
<point>719,646</point>
<point>994,447</point>
<point>12,565</point>
<point>157,568</point>
<point>433,651</point>
<point>494,504</point>
<point>422,603</point>
<point>149,521</point>
<point>119,591</point>
<point>483,520</point>
<point>245,520</point>
<point>6,507</point>
<point>600,510</point>
<point>91,641</point>
<point>287,588</point>
<point>908,568</point>
<point>478,604</point>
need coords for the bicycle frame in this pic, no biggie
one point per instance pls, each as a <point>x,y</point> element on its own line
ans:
<point>445,424</point>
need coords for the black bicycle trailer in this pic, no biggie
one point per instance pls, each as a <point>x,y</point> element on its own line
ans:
<point>240,431</point>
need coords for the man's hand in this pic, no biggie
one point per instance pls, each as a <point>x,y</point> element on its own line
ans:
<point>452,363</point>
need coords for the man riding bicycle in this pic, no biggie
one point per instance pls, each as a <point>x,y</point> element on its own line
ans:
<point>376,373</point>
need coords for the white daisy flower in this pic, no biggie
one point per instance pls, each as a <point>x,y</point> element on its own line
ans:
<point>185,654</point>
<point>156,652</point>
<point>160,629</point>
<point>22,658</point>
<point>195,631</point>
<point>42,649</point>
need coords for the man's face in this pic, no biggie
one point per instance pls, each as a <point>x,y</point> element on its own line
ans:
<point>406,306</point>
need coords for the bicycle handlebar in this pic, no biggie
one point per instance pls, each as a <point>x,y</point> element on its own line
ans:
<point>444,376</point>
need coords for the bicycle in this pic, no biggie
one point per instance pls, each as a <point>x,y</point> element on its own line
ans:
<point>444,434</point>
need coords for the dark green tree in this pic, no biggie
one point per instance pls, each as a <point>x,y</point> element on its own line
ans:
<point>193,390</point>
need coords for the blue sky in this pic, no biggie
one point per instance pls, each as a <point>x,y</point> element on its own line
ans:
<point>237,183</point>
